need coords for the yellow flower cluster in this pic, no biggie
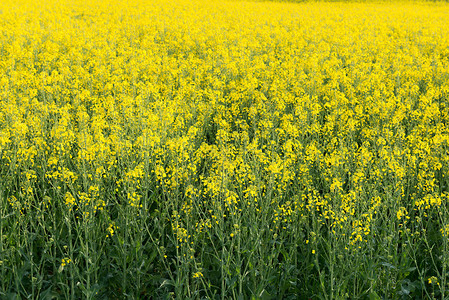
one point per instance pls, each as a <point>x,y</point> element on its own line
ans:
<point>65,261</point>
<point>282,109</point>
<point>110,230</point>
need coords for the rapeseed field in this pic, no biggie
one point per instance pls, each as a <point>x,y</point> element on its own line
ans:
<point>196,149</point>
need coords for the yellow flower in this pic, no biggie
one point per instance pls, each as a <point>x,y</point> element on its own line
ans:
<point>433,280</point>
<point>401,213</point>
<point>110,230</point>
<point>64,262</point>
<point>69,200</point>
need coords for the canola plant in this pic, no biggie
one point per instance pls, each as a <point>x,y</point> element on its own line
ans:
<point>214,149</point>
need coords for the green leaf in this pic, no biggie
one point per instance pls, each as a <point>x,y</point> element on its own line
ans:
<point>374,296</point>
<point>388,265</point>
<point>264,295</point>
